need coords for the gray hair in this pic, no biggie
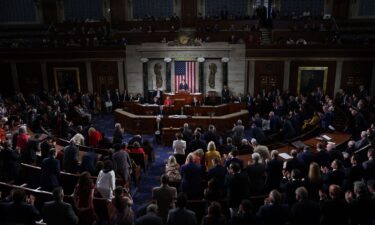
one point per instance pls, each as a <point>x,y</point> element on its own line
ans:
<point>302,193</point>
<point>152,208</point>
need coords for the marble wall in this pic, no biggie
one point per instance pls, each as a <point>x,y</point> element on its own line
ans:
<point>212,52</point>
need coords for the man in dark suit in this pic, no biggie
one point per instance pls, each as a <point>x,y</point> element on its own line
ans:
<point>217,173</point>
<point>191,174</point>
<point>164,196</point>
<point>304,211</point>
<point>58,212</point>
<point>151,217</point>
<point>183,86</point>
<point>256,173</point>
<point>274,169</point>
<point>158,94</point>
<point>197,143</point>
<point>334,209</point>
<point>322,156</point>
<point>181,215</point>
<point>237,186</point>
<point>71,154</point>
<point>369,165</point>
<point>18,211</point>
<point>88,162</point>
<point>11,160</point>
<point>225,94</point>
<point>273,212</point>
<point>187,134</point>
<point>50,171</point>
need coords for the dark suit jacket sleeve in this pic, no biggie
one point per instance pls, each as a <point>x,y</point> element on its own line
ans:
<point>71,215</point>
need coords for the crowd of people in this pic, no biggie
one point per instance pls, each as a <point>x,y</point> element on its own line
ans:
<point>314,187</point>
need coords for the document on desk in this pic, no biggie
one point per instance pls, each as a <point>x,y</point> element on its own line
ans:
<point>285,156</point>
<point>326,137</point>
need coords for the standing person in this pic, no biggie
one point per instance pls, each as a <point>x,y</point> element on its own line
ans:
<point>225,94</point>
<point>191,178</point>
<point>83,199</point>
<point>120,207</point>
<point>215,215</point>
<point>181,215</point>
<point>273,212</point>
<point>10,212</point>
<point>304,211</point>
<point>183,86</point>
<point>71,154</point>
<point>238,132</point>
<point>105,183</point>
<point>122,162</point>
<point>118,134</point>
<point>172,169</point>
<point>151,217</point>
<point>58,212</point>
<point>237,185</point>
<point>164,196</point>
<point>179,145</point>
<point>274,169</point>
<point>211,154</point>
<point>50,171</point>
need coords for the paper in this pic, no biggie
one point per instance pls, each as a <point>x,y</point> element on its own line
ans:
<point>285,156</point>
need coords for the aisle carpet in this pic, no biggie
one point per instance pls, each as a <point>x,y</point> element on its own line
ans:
<point>142,194</point>
<point>151,178</point>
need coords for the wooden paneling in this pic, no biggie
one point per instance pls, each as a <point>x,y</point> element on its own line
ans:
<point>6,84</point>
<point>188,12</point>
<point>79,65</point>
<point>269,75</point>
<point>118,11</point>
<point>293,81</point>
<point>104,75</point>
<point>30,77</point>
<point>355,73</point>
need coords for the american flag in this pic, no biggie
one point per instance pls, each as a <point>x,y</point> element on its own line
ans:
<point>185,70</point>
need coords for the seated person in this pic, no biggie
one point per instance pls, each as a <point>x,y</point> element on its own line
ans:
<point>183,86</point>
<point>168,101</point>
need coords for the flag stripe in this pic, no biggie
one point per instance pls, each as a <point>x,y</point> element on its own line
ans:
<point>186,70</point>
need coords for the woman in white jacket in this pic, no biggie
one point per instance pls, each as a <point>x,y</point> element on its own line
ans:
<point>105,183</point>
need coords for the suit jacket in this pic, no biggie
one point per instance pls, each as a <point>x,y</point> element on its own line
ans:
<point>257,177</point>
<point>196,144</point>
<point>191,174</point>
<point>181,216</point>
<point>149,219</point>
<point>50,172</point>
<point>305,212</point>
<point>274,173</point>
<point>369,167</point>
<point>88,162</point>
<point>122,164</point>
<point>238,133</point>
<point>183,87</point>
<point>11,213</point>
<point>29,155</point>
<point>218,173</point>
<point>165,197</point>
<point>275,214</point>
<point>335,211</point>
<point>59,213</point>
<point>71,155</point>
<point>237,188</point>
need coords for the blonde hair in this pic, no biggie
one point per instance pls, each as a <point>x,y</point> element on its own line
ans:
<point>91,130</point>
<point>314,172</point>
<point>211,146</point>
<point>172,160</point>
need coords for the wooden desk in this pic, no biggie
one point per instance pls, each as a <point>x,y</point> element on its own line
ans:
<point>205,110</point>
<point>144,124</point>
<point>184,98</point>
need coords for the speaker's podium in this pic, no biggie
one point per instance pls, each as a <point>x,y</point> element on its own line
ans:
<point>182,98</point>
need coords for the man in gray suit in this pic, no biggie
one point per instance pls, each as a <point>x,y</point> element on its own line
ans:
<point>238,132</point>
<point>58,212</point>
<point>164,196</point>
<point>121,162</point>
<point>181,215</point>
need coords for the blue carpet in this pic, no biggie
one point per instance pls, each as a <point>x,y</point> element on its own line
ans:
<point>149,179</point>
<point>142,195</point>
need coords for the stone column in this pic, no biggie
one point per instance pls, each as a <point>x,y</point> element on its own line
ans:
<point>44,75</point>
<point>286,75</point>
<point>168,74</point>
<point>145,77</point>
<point>225,70</point>
<point>14,71</point>
<point>201,75</point>
<point>120,75</point>
<point>251,76</point>
<point>338,76</point>
<point>90,87</point>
